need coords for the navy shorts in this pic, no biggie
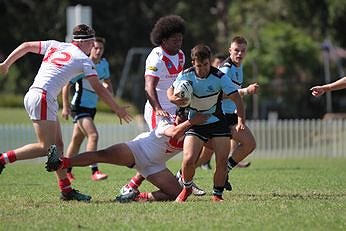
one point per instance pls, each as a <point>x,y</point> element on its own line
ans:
<point>78,112</point>
<point>207,131</point>
<point>231,119</point>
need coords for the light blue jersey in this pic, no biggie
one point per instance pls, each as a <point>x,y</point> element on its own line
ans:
<point>206,91</point>
<point>236,75</point>
<point>85,95</point>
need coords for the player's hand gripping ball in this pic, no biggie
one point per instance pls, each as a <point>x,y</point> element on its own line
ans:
<point>184,90</point>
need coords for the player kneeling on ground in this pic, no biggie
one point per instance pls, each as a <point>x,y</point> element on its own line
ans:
<point>147,153</point>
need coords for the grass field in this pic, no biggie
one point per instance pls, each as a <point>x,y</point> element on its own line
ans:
<point>272,194</point>
<point>19,116</point>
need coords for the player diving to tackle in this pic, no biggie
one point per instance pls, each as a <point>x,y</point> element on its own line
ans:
<point>147,153</point>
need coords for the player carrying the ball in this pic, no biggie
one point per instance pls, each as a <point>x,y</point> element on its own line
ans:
<point>209,86</point>
<point>162,66</point>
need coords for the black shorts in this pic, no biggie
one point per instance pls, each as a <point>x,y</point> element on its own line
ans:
<point>231,119</point>
<point>207,131</point>
<point>78,112</point>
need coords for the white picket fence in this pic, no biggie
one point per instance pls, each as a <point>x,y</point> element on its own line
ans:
<point>281,138</point>
<point>286,138</point>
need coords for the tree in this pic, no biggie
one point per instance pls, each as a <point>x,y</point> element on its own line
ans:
<point>287,59</point>
<point>28,20</point>
<point>284,38</point>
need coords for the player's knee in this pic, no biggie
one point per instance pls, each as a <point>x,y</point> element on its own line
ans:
<point>173,196</point>
<point>77,138</point>
<point>190,163</point>
<point>44,147</point>
<point>93,137</point>
<point>174,193</point>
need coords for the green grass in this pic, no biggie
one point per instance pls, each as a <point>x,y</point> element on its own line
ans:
<point>272,194</point>
<point>19,116</point>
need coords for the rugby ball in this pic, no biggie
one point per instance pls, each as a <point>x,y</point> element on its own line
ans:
<point>184,89</point>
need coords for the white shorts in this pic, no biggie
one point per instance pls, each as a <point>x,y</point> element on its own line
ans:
<point>144,165</point>
<point>40,105</point>
<point>150,115</point>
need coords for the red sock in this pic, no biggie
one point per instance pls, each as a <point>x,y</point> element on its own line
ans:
<point>66,162</point>
<point>8,157</point>
<point>2,159</point>
<point>135,182</point>
<point>142,197</point>
<point>65,185</point>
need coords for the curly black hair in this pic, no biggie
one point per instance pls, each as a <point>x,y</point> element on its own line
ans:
<point>165,27</point>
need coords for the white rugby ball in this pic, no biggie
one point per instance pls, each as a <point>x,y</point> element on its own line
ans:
<point>184,89</point>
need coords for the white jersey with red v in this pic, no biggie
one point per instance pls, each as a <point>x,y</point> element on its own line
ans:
<point>165,67</point>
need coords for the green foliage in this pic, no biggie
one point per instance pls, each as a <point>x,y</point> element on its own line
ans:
<point>283,55</point>
<point>337,21</point>
<point>310,16</point>
<point>303,22</point>
<point>284,51</point>
<point>9,83</point>
<point>15,101</point>
<point>10,100</point>
<point>14,115</point>
<point>272,194</point>
<point>101,106</point>
<point>281,60</point>
<point>284,45</point>
<point>13,112</point>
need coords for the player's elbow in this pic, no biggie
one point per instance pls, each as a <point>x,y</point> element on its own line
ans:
<point>32,47</point>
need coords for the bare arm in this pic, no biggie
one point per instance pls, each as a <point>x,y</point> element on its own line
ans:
<point>106,96</point>
<point>235,97</point>
<point>151,93</point>
<point>66,109</point>
<point>17,53</point>
<point>107,83</point>
<point>178,131</point>
<point>170,95</point>
<point>337,85</point>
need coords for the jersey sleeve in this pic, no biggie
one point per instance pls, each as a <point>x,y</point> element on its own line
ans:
<point>226,70</point>
<point>106,71</point>
<point>44,45</point>
<point>227,86</point>
<point>184,59</point>
<point>162,126</point>
<point>88,67</point>
<point>154,66</point>
<point>75,79</point>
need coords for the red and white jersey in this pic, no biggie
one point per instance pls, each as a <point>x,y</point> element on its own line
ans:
<point>61,62</point>
<point>166,67</point>
<point>155,147</point>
